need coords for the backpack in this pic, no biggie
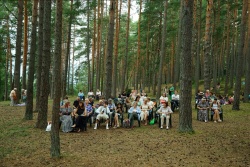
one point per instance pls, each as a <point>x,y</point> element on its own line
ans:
<point>126,123</point>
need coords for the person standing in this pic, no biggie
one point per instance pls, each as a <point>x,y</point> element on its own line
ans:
<point>81,95</point>
<point>13,97</point>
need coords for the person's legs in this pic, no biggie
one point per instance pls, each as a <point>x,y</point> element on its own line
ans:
<point>204,115</point>
<point>216,115</point>
<point>167,121</point>
<point>97,120</point>
<point>162,121</point>
<point>131,119</point>
<point>145,117</point>
<point>116,120</point>
<point>142,115</point>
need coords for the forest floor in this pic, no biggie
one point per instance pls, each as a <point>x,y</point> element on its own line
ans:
<point>212,144</point>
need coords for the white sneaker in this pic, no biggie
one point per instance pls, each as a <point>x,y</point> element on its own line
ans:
<point>215,121</point>
<point>205,120</point>
<point>219,120</point>
<point>167,128</point>
<point>95,126</point>
<point>107,126</point>
<point>161,127</point>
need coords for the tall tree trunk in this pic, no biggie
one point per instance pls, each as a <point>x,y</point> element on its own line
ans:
<point>138,48</point>
<point>109,57</point>
<point>18,48</point>
<point>228,62</point>
<point>185,116</point>
<point>178,50</point>
<point>73,61</point>
<point>29,102</point>
<point>93,51</point>
<point>247,83</point>
<point>55,138</point>
<point>163,50</point>
<point>88,48</point>
<point>8,62</point>
<point>237,89</point>
<point>114,79</point>
<point>25,44</point>
<point>197,64</point>
<point>6,69</point>
<point>68,51</point>
<point>40,54</point>
<point>207,50</point>
<point>125,66</point>
<point>98,45</point>
<point>44,94</point>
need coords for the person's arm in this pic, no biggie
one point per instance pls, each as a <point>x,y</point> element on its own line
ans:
<point>130,110</point>
<point>159,111</point>
<point>108,111</point>
<point>98,110</point>
<point>138,110</point>
<point>169,110</point>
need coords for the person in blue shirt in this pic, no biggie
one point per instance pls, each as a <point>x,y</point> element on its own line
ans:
<point>81,95</point>
<point>134,111</point>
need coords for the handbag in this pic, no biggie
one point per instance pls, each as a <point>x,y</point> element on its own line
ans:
<point>152,122</point>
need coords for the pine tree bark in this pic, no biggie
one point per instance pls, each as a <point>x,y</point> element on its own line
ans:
<point>30,88</point>
<point>98,45</point>
<point>93,51</point>
<point>88,47</point>
<point>44,94</point>
<point>55,138</point>
<point>163,50</point>
<point>109,57</point>
<point>40,54</point>
<point>125,66</point>
<point>117,28</point>
<point>25,44</point>
<point>178,50</point>
<point>138,48</point>
<point>66,68</point>
<point>185,115</point>
<point>18,49</point>
<point>207,50</point>
<point>237,89</point>
<point>247,83</point>
<point>228,62</point>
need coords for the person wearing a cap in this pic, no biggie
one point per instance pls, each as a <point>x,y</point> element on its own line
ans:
<point>13,97</point>
<point>203,107</point>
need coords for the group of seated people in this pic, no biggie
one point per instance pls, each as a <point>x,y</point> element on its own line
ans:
<point>110,111</point>
<point>209,101</point>
<point>91,94</point>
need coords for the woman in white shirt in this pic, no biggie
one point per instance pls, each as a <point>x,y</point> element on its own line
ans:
<point>144,109</point>
<point>215,106</point>
<point>163,98</point>
<point>165,112</point>
<point>91,94</point>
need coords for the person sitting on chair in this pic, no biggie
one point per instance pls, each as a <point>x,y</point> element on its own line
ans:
<point>163,98</point>
<point>76,102</point>
<point>65,117</point>
<point>112,109</point>
<point>215,106</point>
<point>103,112</point>
<point>98,94</point>
<point>202,110</point>
<point>118,113</point>
<point>91,94</point>
<point>81,95</point>
<point>144,109</point>
<point>81,119</point>
<point>175,100</point>
<point>165,112</point>
<point>134,111</point>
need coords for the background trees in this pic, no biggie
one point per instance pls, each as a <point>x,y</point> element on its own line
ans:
<point>217,43</point>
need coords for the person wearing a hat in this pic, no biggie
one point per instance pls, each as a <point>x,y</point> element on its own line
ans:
<point>202,110</point>
<point>13,97</point>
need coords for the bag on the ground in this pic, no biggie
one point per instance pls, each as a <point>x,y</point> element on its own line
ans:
<point>48,128</point>
<point>126,123</point>
<point>152,122</point>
